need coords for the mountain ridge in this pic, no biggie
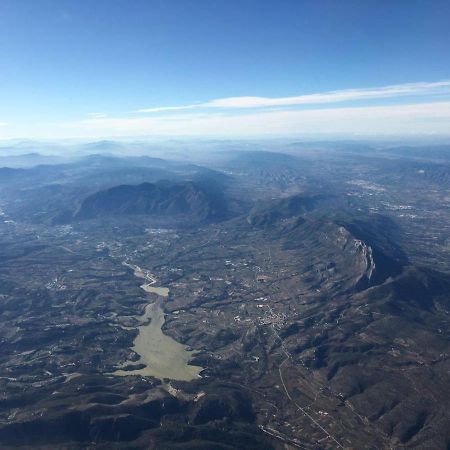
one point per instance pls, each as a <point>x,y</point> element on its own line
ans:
<point>195,200</point>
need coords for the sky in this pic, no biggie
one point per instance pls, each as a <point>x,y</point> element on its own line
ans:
<point>224,68</point>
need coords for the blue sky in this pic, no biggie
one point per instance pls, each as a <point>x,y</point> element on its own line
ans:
<point>223,68</point>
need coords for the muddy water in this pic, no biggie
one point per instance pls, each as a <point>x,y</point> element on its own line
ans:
<point>163,356</point>
<point>162,291</point>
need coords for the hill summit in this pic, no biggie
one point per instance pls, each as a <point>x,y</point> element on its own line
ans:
<point>189,199</point>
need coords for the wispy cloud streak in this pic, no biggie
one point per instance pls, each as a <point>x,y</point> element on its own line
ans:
<point>346,95</point>
<point>96,115</point>
<point>401,120</point>
<point>168,108</point>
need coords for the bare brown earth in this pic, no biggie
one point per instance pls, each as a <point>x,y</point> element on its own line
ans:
<point>319,312</point>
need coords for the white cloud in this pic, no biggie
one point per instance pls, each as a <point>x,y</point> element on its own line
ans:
<point>167,108</point>
<point>3,124</point>
<point>393,91</point>
<point>427,118</point>
<point>399,120</point>
<point>96,115</point>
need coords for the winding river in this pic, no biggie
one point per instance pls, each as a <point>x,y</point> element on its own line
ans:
<point>163,356</point>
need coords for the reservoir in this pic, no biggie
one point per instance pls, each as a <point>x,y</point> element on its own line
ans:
<point>163,356</point>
